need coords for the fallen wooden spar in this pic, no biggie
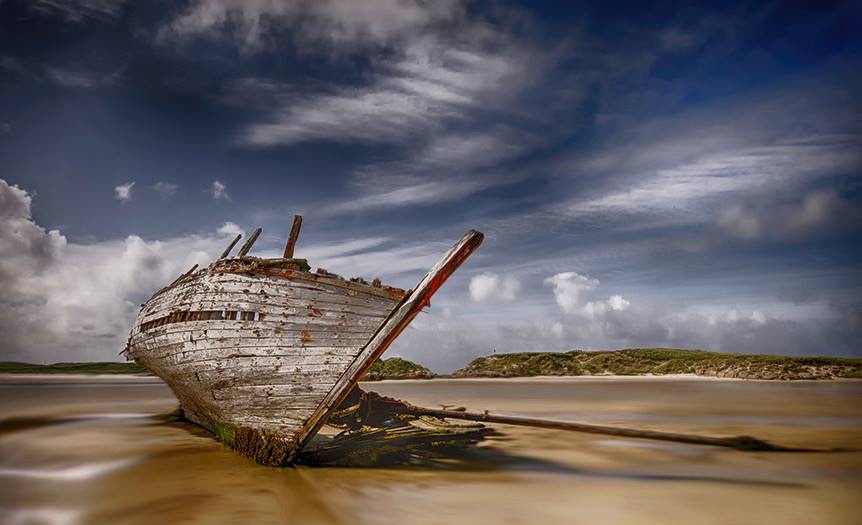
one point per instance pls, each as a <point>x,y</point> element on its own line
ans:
<point>261,351</point>
<point>372,407</point>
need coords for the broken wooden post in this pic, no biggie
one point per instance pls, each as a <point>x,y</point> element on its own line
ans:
<point>183,276</point>
<point>249,243</point>
<point>294,233</point>
<point>230,246</point>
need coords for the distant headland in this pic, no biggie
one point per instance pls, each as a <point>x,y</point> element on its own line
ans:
<point>628,362</point>
<point>661,361</point>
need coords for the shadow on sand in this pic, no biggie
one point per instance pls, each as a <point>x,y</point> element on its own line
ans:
<point>376,450</point>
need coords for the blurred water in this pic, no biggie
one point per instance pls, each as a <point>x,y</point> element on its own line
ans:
<point>100,450</point>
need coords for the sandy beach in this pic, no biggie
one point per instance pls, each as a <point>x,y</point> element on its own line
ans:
<point>81,450</point>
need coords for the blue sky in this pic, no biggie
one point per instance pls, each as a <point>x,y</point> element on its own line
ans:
<point>676,174</point>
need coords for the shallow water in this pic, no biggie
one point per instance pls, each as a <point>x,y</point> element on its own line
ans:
<point>100,450</point>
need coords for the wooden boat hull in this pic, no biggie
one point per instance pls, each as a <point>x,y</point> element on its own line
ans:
<point>260,353</point>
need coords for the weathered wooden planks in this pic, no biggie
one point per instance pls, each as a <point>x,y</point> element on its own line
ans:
<point>261,344</point>
<point>269,371</point>
<point>239,292</point>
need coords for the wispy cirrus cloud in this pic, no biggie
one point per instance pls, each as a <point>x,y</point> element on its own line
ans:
<point>429,75</point>
<point>250,23</point>
<point>421,94</point>
<point>430,85</point>
<point>447,167</point>
<point>687,165</point>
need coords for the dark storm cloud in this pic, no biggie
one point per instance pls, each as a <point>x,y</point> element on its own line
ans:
<point>680,175</point>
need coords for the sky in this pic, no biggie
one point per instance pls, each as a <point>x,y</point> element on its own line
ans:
<point>673,174</point>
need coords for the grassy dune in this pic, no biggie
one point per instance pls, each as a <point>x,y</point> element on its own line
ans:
<point>9,367</point>
<point>660,361</point>
<point>396,368</point>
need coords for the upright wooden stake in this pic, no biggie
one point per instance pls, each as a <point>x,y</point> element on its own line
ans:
<point>230,246</point>
<point>249,243</point>
<point>294,233</point>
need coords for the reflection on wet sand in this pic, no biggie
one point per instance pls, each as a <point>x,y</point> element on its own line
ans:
<point>77,451</point>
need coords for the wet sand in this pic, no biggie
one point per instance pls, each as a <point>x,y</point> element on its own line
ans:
<point>81,450</point>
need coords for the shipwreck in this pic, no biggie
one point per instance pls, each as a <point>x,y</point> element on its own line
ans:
<point>262,351</point>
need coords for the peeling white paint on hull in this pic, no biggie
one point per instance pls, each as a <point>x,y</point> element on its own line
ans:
<point>260,351</point>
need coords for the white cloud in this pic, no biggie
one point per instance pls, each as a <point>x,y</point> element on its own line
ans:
<point>66,301</point>
<point>123,192</point>
<point>74,301</point>
<point>615,303</point>
<point>490,287</point>
<point>569,288</point>
<point>219,191</point>
<point>229,229</point>
<point>165,189</point>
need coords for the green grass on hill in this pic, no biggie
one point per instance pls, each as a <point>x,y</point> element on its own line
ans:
<point>660,361</point>
<point>396,368</point>
<point>9,367</point>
